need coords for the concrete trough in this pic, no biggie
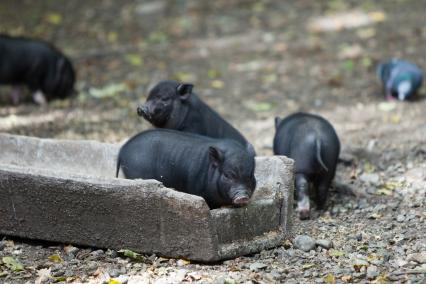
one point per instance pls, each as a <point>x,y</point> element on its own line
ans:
<point>66,191</point>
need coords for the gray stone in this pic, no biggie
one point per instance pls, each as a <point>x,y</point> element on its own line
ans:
<point>111,253</point>
<point>66,191</point>
<point>304,243</point>
<point>417,257</point>
<point>324,243</point>
<point>219,280</point>
<point>223,280</point>
<point>114,272</point>
<point>372,272</point>
<point>71,250</point>
<point>257,266</point>
<point>400,218</point>
<point>68,273</point>
<point>57,267</point>
<point>372,179</point>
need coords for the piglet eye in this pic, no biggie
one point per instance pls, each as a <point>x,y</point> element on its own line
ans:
<point>230,175</point>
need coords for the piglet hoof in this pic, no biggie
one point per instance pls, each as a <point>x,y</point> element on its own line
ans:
<point>304,214</point>
<point>39,98</point>
<point>241,201</point>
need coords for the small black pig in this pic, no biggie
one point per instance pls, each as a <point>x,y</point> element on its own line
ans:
<point>173,105</point>
<point>38,65</point>
<point>219,170</point>
<point>312,143</point>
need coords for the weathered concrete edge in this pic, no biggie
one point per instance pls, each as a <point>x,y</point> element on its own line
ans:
<point>286,187</point>
<point>280,180</point>
<point>205,250</point>
<point>244,247</point>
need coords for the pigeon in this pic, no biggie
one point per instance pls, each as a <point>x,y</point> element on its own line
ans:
<point>401,79</point>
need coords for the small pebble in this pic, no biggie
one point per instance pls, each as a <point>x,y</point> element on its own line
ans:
<point>324,243</point>
<point>400,218</point>
<point>372,272</point>
<point>304,243</point>
<point>257,266</point>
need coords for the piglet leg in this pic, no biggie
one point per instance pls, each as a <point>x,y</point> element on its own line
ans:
<point>39,98</point>
<point>302,193</point>
<point>322,192</point>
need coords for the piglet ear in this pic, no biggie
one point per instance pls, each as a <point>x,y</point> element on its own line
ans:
<point>184,91</point>
<point>216,156</point>
<point>277,121</point>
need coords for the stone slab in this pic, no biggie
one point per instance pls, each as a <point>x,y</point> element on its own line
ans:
<point>65,191</point>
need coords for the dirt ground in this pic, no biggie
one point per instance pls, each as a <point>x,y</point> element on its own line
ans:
<point>251,61</point>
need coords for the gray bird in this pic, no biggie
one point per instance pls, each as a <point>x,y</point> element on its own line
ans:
<point>401,79</point>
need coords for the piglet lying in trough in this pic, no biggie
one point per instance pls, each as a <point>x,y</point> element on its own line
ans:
<point>38,65</point>
<point>312,143</point>
<point>219,170</point>
<point>173,105</point>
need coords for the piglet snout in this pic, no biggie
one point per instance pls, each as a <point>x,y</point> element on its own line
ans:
<point>143,111</point>
<point>241,200</point>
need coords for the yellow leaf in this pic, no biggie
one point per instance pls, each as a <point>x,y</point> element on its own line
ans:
<point>114,281</point>
<point>369,168</point>
<point>363,247</point>
<point>260,106</point>
<point>268,79</point>
<point>183,76</point>
<point>308,265</point>
<point>131,254</point>
<point>258,7</point>
<point>395,119</point>
<point>12,263</point>
<point>366,33</point>
<point>382,279</point>
<point>336,253</point>
<point>392,185</point>
<point>377,16</point>
<point>287,244</point>
<point>55,258</point>
<point>389,187</point>
<point>112,36</point>
<point>134,59</point>
<point>213,73</point>
<point>372,257</point>
<point>384,191</point>
<point>217,84</point>
<point>330,279</point>
<point>54,18</point>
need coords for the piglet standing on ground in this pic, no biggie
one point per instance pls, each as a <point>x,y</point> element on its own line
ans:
<point>312,143</point>
<point>219,170</point>
<point>173,105</point>
<point>38,65</point>
<point>401,79</point>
